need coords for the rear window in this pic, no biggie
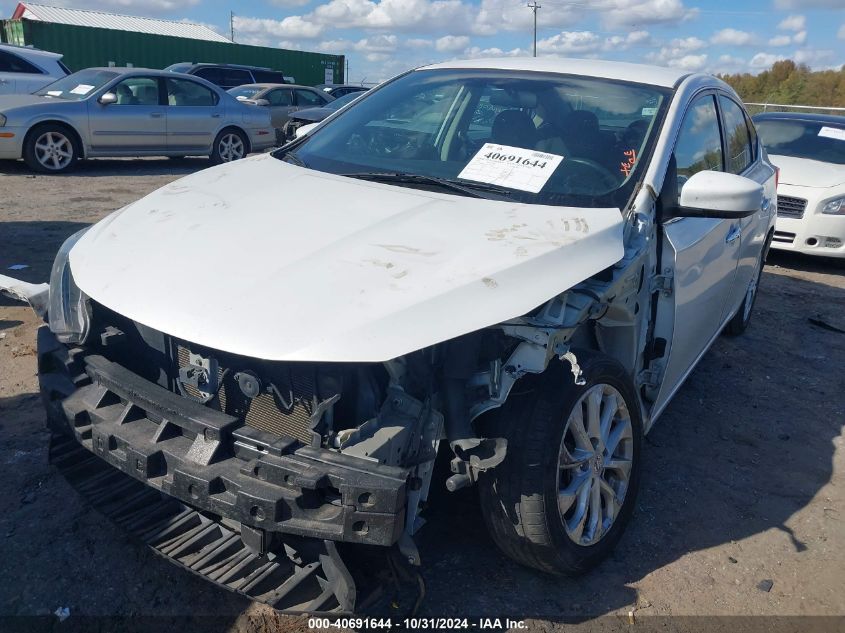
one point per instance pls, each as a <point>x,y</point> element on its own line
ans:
<point>10,63</point>
<point>816,140</point>
<point>268,77</point>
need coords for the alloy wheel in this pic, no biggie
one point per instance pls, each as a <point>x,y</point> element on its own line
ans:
<point>53,150</point>
<point>594,464</point>
<point>231,147</point>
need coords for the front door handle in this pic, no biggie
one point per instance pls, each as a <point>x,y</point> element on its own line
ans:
<point>215,116</point>
<point>156,115</point>
<point>733,234</point>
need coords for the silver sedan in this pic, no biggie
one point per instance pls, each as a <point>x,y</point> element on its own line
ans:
<point>128,112</point>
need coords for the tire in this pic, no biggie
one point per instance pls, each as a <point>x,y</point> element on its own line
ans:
<point>519,498</point>
<point>739,323</point>
<point>230,144</point>
<point>51,148</point>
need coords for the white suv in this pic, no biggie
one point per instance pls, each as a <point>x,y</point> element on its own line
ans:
<point>25,70</point>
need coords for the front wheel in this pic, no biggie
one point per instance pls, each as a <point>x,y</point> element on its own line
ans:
<point>566,489</point>
<point>228,146</point>
<point>739,323</point>
<point>50,149</point>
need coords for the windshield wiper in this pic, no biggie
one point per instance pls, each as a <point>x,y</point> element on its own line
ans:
<point>468,189</point>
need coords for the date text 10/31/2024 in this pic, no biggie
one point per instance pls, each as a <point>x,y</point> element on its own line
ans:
<point>479,624</point>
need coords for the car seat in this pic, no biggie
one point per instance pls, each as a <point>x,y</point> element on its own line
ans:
<point>514,128</point>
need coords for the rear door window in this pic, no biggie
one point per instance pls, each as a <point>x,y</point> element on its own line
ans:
<point>236,77</point>
<point>10,63</point>
<point>279,97</point>
<point>737,137</point>
<point>268,77</point>
<point>184,92</point>
<point>308,99</point>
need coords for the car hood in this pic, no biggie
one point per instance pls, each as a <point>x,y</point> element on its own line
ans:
<point>10,102</point>
<point>312,114</point>
<point>269,260</point>
<point>806,172</point>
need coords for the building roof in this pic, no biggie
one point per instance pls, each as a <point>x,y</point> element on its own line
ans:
<point>638,73</point>
<point>100,19</point>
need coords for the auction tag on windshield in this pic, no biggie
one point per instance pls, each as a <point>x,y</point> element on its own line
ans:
<point>832,132</point>
<point>82,89</point>
<point>512,167</point>
<point>54,93</point>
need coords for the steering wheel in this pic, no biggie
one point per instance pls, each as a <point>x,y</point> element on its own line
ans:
<point>606,177</point>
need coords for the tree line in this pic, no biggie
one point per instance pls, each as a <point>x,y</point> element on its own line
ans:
<point>791,84</point>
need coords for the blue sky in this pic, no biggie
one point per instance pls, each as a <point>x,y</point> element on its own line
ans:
<point>384,37</point>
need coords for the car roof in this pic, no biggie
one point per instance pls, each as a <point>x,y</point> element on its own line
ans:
<point>800,116</point>
<point>624,71</point>
<point>241,66</point>
<point>265,86</point>
<point>34,52</point>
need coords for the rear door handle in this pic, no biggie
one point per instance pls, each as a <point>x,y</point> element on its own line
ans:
<point>156,115</point>
<point>733,234</point>
<point>215,116</point>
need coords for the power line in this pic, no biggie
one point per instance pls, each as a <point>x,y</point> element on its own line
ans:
<point>534,6</point>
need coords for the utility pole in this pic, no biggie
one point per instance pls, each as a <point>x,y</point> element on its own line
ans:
<point>534,6</point>
<point>232,25</point>
<point>346,74</point>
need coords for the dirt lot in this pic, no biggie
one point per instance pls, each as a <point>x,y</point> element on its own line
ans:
<point>741,512</point>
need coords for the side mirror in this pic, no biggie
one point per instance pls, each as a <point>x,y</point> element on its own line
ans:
<point>260,102</point>
<point>715,194</point>
<point>108,98</point>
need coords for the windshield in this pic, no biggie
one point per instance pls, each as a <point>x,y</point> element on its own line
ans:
<point>244,92</point>
<point>77,86</point>
<point>179,68</point>
<point>816,140</point>
<point>542,138</point>
<point>338,103</point>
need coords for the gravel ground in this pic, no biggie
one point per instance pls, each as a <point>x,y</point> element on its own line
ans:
<point>740,512</point>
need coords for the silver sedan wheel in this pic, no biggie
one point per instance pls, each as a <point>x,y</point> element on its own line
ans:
<point>53,150</point>
<point>594,464</point>
<point>231,147</point>
<point>752,291</point>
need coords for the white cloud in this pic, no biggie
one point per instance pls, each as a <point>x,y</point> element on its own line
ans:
<point>689,62</point>
<point>727,64</point>
<point>589,43</point>
<point>764,60</point>
<point>813,57</point>
<point>808,4</point>
<point>375,45</point>
<point>476,52</point>
<point>628,13</point>
<point>451,43</point>
<point>286,4</point>
<point>800,37</point>
<point>781,40</point>
<point>793,23</point>
<point>571,43</point>
<point>679,54</point>
<point>262,30</point>
<point>733,37</point>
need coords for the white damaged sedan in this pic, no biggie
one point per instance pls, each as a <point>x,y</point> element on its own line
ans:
<point>517,262</point>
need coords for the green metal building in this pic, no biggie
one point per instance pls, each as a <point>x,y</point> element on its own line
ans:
<point>94,38</point>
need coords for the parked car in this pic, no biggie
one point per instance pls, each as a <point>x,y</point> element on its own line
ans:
<point>24,69</point>
<point>128,112</point>
<point>809,149</point>
<point>311,116</point>
<point>281,100</point>
<point>231,75</point>
<point>340,90</point>
<point>517,262</point>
